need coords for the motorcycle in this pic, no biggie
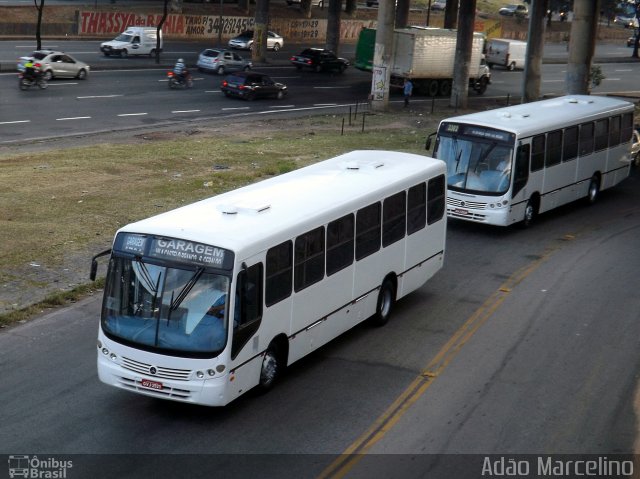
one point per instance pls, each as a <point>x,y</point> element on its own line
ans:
<point>179,81</point>
<point>27,82</point>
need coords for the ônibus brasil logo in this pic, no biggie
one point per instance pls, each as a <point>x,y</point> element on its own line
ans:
<point>37,468</point>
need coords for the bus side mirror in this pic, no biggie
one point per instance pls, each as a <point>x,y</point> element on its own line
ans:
<point>94,264</point>
<point>427,145</point>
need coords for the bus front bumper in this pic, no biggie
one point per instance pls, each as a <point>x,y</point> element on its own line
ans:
<point>207,392</point>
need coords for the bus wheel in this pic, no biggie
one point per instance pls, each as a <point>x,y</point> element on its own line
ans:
<point>594,190</point>
<point>386,298</point>
<point>270,369</point>
<point>530,213</point>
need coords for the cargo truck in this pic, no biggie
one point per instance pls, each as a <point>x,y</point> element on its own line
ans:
<point>426,56</point>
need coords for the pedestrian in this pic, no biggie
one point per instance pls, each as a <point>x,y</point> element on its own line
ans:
<point>408,90</point>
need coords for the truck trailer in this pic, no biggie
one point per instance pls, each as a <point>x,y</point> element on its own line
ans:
<point>426,56</point>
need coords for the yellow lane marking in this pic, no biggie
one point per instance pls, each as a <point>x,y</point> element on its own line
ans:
<point>355,452</point>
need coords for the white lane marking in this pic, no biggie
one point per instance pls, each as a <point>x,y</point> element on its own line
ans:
<point>185,111</point>
<point>282,106</point>
<point>61,84</point>
<point>96,96</point>
<point>132,114</point>
<point>325,104</point>
<point>12,122</point>
<point>238,108</point>
<point>74,118</point>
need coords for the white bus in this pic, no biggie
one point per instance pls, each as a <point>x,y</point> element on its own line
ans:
<point>509,164</point>
<point>305,256</point>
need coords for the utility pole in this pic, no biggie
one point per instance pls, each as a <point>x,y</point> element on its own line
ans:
<point>383,56</point>
<point>532,77</point>
<point>582,46</point>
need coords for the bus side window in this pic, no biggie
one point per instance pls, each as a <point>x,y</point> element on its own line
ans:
<point>248,306</point>
<point>436,194</point>
<point>521,173</point>
<point>586,139</point>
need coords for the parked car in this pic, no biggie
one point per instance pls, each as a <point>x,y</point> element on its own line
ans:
<point>319,59</point>
<point>245,40</point>
<point>54,64</point>
<point>514,10</point>
<point>631,41</point>
<point>222,61</point>
<point>314,3</point>
<point>251,85</point>
<point>439,5</point>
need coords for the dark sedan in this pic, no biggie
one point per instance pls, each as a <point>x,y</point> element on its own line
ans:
<point>250,85</point>
<point>319,59</point>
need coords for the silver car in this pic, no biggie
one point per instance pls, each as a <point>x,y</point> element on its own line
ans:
<point>245,41</point>
<point>222,61</point>
<point>54,64</point>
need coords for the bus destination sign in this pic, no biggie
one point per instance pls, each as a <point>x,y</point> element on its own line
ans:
<point>174,250</point>
<point>477,131</point>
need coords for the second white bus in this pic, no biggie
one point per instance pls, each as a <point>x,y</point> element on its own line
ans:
<point>509,164</point>
<point>205,302</point>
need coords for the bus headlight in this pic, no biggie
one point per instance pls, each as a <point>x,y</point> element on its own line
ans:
<point>113,357</point>
<point>211,372</point>
<point>199,374</point>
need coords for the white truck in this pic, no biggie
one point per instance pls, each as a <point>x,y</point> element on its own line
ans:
<point>506,53</point>
<point>133,41</point>
<point>426,56</point>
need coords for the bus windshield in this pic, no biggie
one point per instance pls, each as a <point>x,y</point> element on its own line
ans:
<point>173,309</point>
<point>478,159</point>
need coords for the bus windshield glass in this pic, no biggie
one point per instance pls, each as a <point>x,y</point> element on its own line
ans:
<point>478,159</point>
<point>165,308</point>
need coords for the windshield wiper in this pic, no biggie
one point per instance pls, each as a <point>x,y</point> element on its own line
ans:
<point>185,290</point>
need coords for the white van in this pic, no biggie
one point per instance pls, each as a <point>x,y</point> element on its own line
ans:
<point>133,41</point>
<point>506,53</point>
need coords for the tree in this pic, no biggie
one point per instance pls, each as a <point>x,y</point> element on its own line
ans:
<point>333,25</point>
<point>159,29</point>
<point>535,45</point>
<point>636,45</point>
<point>464,44</point>
<point>351,7</point>
<point>581,46</point>
<point>451,14</point>
<point>259,46</point>
<point>40,9</point>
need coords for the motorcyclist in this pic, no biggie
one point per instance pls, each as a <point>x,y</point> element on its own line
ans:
<point>180,70</point>
<point>31,70</point>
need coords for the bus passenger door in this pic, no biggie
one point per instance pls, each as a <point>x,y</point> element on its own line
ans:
<point>247,311</point>
<point>520,191</point>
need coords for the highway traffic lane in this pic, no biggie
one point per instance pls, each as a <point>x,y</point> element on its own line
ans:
<point>113,100</point>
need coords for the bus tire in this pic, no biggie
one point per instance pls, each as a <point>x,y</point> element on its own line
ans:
<point>270,369</point>
<point>384,306</point>
<point>594,190</point>
<point>530,213</point>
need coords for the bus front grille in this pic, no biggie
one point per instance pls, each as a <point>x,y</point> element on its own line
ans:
<point>470,205</point>
<point>160,372</point>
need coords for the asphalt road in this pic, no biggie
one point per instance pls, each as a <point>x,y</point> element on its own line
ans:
<point>136,99</point>
<point>525,343</point>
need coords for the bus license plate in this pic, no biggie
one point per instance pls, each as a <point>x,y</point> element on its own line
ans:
<point>459,211</point>
<point>147,383</point>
